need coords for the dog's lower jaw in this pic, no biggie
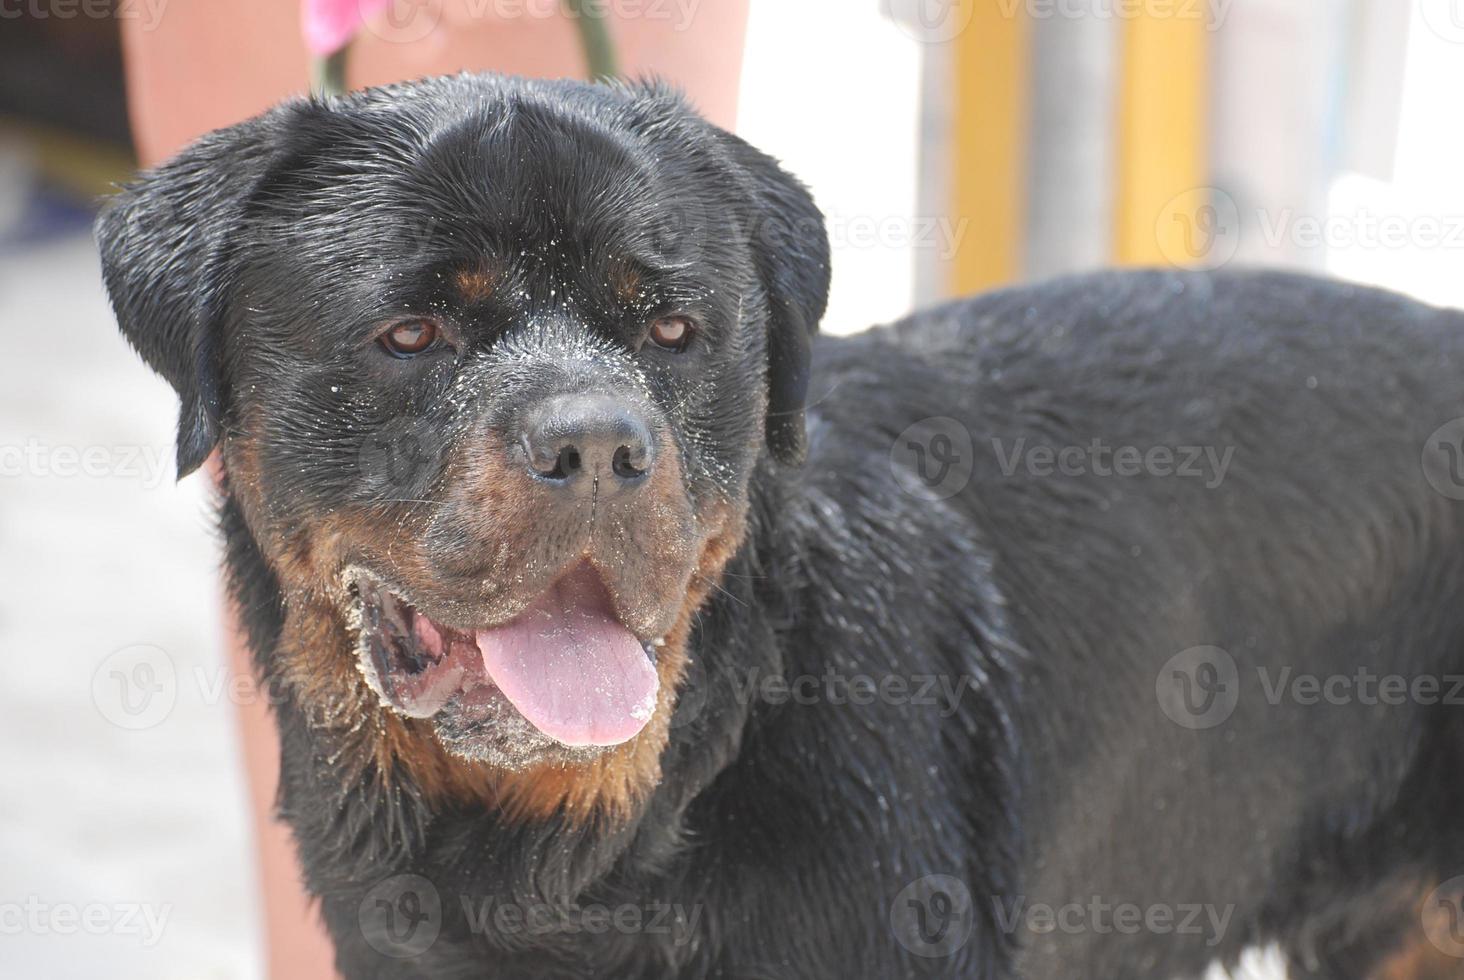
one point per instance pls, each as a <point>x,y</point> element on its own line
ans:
<point>316,661</point>
<point>616,784</point>
<point>597,684</point>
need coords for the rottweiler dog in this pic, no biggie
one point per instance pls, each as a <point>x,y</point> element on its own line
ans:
<point>619,626</point>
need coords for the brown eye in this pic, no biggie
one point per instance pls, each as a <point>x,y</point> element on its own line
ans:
<point>671,332</point>
<point>410,337</point>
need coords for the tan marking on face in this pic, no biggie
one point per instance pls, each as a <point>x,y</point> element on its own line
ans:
<point>317,658</point>
<point>1419,957</point>
<point>1419,960</point>
<point>626,281</point>
<point>477,283</point>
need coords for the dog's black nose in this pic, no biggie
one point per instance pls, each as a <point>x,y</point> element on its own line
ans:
<point>588,441</point>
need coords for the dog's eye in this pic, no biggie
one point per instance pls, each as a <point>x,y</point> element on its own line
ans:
<point>672,332</point>
<point>410,337</point>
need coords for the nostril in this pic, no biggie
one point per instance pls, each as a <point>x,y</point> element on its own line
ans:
<point>551,462</point>
<point>628,463</point>
<point>567,464</point>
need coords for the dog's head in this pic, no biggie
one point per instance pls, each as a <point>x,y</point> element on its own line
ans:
<point>490,364</point>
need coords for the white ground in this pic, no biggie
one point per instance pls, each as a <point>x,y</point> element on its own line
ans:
<point>103,826</point>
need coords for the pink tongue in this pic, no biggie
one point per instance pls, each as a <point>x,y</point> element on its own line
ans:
<point>570,668</point>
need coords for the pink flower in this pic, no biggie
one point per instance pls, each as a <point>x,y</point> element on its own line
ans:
<point>329,25</point>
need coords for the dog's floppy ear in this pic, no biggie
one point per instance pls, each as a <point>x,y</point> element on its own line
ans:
<point>166,243</point>
<point>790,245</point>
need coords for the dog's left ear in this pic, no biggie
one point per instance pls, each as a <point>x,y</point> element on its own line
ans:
<point>790,245</point>
<point>165,245</point>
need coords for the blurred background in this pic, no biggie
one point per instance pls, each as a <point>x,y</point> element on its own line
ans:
<point>955,145</point>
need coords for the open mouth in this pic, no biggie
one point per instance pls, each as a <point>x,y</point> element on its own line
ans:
<point>565,665</point>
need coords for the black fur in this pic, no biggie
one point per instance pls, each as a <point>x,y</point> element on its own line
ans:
<point>791,831</point>
<point>165,258</point>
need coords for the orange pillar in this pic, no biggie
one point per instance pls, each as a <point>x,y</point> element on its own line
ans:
<point>988,177</point>
<point>1161,170</point>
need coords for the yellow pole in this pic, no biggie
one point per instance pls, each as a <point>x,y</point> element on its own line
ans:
<point>988,176</point>
<point>1161,149</point>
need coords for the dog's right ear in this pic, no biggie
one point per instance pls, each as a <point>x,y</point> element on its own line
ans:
<point>166,245</point>
<point>790,243</point>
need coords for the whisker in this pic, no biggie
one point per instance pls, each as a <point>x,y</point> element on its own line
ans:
<point>722,590</point>
<point>407,500</point>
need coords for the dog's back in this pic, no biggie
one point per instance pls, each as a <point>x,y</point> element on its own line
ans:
<point>1222,516</point>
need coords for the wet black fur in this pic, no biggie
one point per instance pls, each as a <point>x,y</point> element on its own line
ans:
<point>793,828</point>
